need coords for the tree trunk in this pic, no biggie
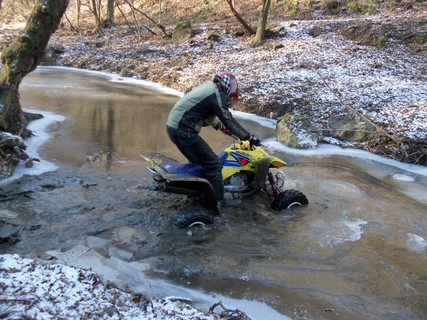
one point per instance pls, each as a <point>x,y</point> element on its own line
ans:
<point>109,22</point>
<point>246,26</point>
<point>78,14</point>
<point>260,32</point>
<point>96,15</point>
<point>21,57</point>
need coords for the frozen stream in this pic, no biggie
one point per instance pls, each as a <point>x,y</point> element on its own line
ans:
<point>357,251</point>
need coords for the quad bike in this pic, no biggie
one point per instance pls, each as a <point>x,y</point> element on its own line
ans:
<point>246,169</point>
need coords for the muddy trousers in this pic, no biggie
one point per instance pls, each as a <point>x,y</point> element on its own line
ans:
<point>196,150</point>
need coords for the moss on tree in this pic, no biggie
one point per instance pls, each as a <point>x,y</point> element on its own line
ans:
<point>21,57</point>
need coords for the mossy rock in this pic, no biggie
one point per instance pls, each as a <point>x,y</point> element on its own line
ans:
<point>350,128</point>
<point>183,31</point>
<point>297,132</point>
<point>8,140</point>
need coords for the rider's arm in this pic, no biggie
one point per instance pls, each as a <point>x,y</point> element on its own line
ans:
<point>226,118</point>
<point>216,123</point>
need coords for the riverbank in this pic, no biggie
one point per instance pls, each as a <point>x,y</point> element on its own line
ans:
<point>321,69</point>
<point>52,291</point>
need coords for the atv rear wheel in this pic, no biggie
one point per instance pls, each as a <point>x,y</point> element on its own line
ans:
<point>289,198</point>
<point>194,216</point>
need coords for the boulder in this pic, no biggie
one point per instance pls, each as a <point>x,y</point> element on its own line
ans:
<point>11,153</point>
<point>296,131</point>
<point>11,141</point>
<point>274,30</point>
<point>350,128</point>
<point>277,46</point>
<point>183,31</point>
<point>209,45</point>
<point>126,72</point>
<point>212,35</point>
<point>214,32</point>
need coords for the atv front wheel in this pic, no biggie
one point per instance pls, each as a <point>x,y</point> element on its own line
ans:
<point>192,217</point>
<point>288,199</point>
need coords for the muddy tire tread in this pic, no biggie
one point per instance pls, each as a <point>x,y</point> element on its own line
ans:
<point>288,198</point>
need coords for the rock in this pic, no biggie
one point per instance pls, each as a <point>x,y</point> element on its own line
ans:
<point>273,30</point>
<point>239,32</point>
<point>183,31</point>
<point>57,48</point>
<point>298,132</point>
<point>209,45</point>
<point>315,31</point>
<point>8,232</point>
<point>126,72</point>
<point>276,46</point>
<point>11,153</point>
<point>8,214</point>
<point>350,128</point>
<point>10,140</point>
<point>212,35</point>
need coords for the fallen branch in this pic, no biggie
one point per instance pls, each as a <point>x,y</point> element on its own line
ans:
<point>234,314</point>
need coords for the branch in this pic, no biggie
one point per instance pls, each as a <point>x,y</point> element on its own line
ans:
<point>160,26</point>
<point>123,15</point>
<point>237,312</point>
<point>71,25</point>
<point>246,26</point>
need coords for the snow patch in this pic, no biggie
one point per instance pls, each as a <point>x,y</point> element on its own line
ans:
<point>33,144</point>
<point>415,242</point>
<point>403,177</point>
<point>352,232</point>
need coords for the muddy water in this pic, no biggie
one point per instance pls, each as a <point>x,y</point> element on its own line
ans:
<point>357,251</point>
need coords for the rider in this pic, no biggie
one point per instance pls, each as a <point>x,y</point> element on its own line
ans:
<point>203,106</point>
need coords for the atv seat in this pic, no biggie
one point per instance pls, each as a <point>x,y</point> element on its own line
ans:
<point>191,169</point>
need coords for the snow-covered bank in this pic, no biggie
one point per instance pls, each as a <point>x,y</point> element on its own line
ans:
<point>41,136</point>
<point>37,291</point>
<point>51,291</point>
<point>328,150</point>
<point>319,72</point>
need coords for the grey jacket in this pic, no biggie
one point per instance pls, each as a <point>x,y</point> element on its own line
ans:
<point>200,107</point>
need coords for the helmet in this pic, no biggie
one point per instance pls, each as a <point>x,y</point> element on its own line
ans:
<point>229,84</point>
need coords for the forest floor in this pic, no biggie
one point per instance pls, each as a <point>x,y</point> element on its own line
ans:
<point>369,66</point>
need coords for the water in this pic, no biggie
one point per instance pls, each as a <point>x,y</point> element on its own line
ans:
<point>357,251</point>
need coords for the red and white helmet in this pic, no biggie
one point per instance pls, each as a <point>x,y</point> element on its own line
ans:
<point>229,84</point>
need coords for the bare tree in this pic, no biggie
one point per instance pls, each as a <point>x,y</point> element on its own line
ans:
<point>78,4</point>
<point>245,25</point>
<point>21,57</point>
<point>260,32</point>
<point>96,15</point>
<point>110,14</point>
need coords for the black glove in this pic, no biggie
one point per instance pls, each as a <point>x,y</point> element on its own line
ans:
<point>255,141</point>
